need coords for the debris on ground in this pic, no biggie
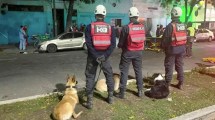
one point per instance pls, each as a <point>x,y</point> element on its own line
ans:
<point>209,59</point>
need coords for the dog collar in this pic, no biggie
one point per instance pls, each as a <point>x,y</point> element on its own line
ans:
<point>70,86</point>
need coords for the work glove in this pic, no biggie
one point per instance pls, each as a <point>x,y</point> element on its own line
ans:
<point>100,59</point>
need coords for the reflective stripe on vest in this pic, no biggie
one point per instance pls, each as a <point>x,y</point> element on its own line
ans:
<point>179,36</point>
<point>102,42</point>
<point>101,35</point>
<point>136,37</point>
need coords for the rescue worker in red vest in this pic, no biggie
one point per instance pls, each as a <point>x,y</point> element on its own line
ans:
<point>131,42</point>
<point>174,44</point>
<point>101,41</point>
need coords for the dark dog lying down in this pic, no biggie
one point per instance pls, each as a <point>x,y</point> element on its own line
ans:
<point>159,90</point>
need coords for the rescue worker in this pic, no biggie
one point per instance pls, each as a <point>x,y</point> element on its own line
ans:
<point>131,42</point>
<point>101,41</point>
<point>190,40</point>
<point>174,39</point>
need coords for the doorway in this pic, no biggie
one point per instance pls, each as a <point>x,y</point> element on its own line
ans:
<point>116,22</point>
<point>59,20</point>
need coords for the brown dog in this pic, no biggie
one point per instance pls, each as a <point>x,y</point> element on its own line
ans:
<point>101,85</point>
<point>65,109</point>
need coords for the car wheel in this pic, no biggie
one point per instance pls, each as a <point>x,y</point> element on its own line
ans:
<point>85,46</point>
<point>210,39</point>
<point>51,48</point>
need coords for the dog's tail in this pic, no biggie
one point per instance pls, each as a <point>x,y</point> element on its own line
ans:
<point>76,115</point>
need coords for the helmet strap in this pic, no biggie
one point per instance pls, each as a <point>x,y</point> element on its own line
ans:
<point>133,19</point>
<point>99,17</point>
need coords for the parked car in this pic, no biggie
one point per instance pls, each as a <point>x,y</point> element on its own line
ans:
<point>64,41</point>
<point>204,34</point>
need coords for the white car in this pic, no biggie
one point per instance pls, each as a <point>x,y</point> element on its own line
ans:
<point>64,41</point>
<point>204,34</point>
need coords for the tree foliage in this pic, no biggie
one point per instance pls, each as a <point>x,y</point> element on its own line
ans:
<point>187,3</point>
<point>70,11</point>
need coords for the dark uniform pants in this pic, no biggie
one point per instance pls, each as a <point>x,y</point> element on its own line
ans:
<point>189,46</point>
<point>90,72</point>
<point>126,58</point>
<point>170,61</point>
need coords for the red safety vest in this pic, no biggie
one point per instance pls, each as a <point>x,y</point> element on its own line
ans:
<point>101,35</point>
<point>136,37</point>
<point>179,35</point>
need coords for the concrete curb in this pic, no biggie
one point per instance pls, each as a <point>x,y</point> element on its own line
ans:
<point>25,98</point>
<point>32,97</point>
<point>196,114</point>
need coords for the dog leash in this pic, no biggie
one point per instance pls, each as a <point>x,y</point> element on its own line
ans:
<point>98,76</point>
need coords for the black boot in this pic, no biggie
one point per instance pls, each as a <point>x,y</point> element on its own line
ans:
<point>168,83</point>
<point>89,103</point>
<point>121,94</point>
<point>179,85</point>
<point>140,93</point>
<point>110,97</point>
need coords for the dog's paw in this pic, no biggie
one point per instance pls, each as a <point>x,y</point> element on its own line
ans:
<point>148,89</point>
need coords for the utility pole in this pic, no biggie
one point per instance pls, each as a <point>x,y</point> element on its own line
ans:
<point>206,1</point>
<point>54,21</point>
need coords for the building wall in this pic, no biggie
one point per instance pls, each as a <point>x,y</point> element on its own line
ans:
<point>42,22</point>
<point>120,11</point>
<point>150,9</point>
<point>37,22</point>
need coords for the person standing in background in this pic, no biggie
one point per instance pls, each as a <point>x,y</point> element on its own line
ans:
<point>26,31</point>
<point>22,40</point>
<point>190,40</point>
<point>158,31</point>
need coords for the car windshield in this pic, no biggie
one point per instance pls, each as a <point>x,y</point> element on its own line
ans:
<point>76,35</point>
<point>59,35</point>
<point>66,36</point>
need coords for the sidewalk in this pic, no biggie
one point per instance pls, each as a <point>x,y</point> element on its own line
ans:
<point>14,49</point>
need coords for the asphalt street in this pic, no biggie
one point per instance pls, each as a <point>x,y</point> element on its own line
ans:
<point>39,73</point>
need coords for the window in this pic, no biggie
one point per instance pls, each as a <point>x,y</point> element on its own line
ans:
<point>74,12</point>
<point>66,36</point>
<point>205,31</point>
<point>27,8</point>
<point>116,22</point>
<point>76,35</point>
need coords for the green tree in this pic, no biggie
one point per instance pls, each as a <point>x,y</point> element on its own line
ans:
<point>70,11</point>
<point>187,3</point>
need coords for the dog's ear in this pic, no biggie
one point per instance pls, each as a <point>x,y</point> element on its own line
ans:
<point>73,79</point>
<point>162,75</point>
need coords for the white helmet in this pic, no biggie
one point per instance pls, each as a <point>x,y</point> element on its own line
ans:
<point>176,12</point>
<point>133,11</point>
<point>100,9</point>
